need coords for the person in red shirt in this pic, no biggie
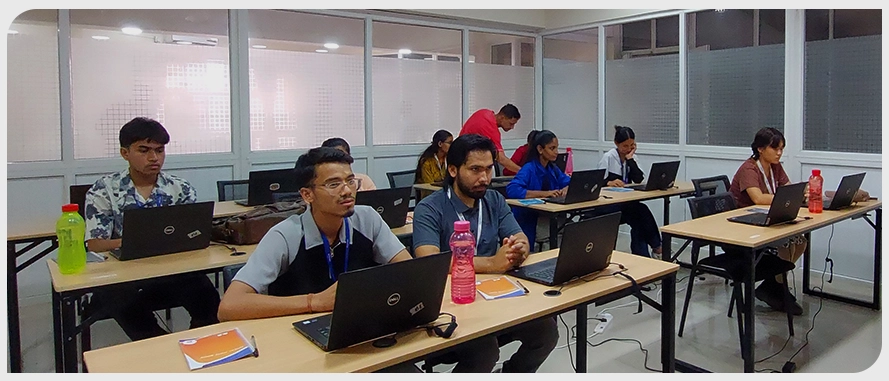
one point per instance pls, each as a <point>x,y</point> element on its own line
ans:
<point>486,123</point>
<point>520,155</point>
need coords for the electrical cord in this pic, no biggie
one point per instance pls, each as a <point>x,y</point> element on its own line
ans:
<point>641,348</point>
<point>567,339</point>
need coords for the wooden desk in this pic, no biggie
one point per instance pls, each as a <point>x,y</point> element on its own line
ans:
<point>606,197</point>
<point>34,235</point>
<point>752,239</point>
<point>282,349</point>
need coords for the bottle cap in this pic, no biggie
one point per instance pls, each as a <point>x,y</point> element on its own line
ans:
<point>70,208</point>
<point>568,149</point>
<point>461,226</point>
<point>816,172</point>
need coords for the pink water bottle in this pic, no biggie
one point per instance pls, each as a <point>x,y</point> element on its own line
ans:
<point>462,245</point>
<point>815,182</point>
<point>569,166</point>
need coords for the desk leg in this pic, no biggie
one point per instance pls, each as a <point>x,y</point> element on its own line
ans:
<point>747,351</point>
<point>69,332</point>
<point>57,331</point>
<point>878,255</point>
<point>666,211</point>
<point>553,231</point>
<point>807,265</point>
<point>12,310</point>
<point>666,247</point>
<point>668,323</point>
<point>581,323</point>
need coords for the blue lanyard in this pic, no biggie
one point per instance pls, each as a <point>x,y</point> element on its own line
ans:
<point>154,197</point>
<point>327,251</point>
<point>624,171</point>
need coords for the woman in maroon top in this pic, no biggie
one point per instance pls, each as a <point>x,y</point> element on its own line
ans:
<point>755,183</point>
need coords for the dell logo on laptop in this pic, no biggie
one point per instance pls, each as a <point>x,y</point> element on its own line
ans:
<point>787,204</point>
<point>393,299</point>
<point>589,247</point>
<point>274,186</point>
<point>169,230</point>
<point>380,209</point>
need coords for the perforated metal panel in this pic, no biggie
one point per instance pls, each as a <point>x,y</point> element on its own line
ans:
<point>571,98</point>
<point>643,93</point>
<point>493,86</point>
<point>732,93</point>
<point>844,95</point>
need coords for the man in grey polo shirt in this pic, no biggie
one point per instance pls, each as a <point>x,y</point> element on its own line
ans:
<point>501,247</point>
<point>295,266</point>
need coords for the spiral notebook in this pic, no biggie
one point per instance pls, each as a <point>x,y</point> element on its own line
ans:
<point>500,287</point>
<point>215,349</point>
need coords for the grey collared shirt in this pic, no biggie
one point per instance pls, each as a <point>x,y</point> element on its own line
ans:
<point>435,215</point>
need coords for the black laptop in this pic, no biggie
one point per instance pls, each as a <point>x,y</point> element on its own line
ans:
<point>263,184</point>
<point>562,161</point>
<point>584,186</point>
<point>784,208</point>
<point>379,301</point>
<point>391,204</point>
<point>845,193</point>
<point>170,229</point>
<point>661,177</point>
<point>586,248</point>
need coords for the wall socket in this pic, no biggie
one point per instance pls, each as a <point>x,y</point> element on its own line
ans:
<point>603,324</point>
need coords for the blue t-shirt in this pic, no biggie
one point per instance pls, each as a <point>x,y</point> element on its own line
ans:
<point>534,177</point>
<point>435,215</point>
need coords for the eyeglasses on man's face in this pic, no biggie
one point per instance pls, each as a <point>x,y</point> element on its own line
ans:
<point>337,185</point>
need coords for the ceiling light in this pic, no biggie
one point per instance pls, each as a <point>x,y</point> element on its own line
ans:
<point>12,31</point>
<point>720,10</point>
<point>320,50</point>
<point>133,31</point>
<point>186,40</point>
<point>183,42</point>
<point>404,51</point>
<point>331,45</point>
<point>259,46</point>
<point>100,38</point>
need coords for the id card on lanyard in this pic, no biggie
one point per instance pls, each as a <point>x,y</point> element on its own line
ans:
<point>329,254</point>
<point>771,186</point>
<point>481,212</point>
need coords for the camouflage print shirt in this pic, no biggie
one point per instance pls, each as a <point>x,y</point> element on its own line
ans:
<point>113,194</point>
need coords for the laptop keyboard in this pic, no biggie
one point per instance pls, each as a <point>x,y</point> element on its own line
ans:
<point>754,218</point>
<point>557,200</point>
<point>547,273</point>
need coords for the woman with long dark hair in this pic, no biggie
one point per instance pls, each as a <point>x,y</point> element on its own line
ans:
<point>432,165</point>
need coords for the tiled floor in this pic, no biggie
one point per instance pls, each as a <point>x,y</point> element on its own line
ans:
<point>845,338</point>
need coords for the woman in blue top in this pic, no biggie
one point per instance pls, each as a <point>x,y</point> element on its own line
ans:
<point>538,178</point>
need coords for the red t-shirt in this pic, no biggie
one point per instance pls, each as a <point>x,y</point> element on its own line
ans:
<point>518,157</point>
<point>484,123</point>
<point>749,176</point>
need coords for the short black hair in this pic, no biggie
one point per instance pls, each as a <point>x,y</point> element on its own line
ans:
<point>337,142</point>
<point>305,165</point>
<point>621,134</point>
<point>463,145</point>
<point>140,129</point>
<point>766,137</point>
<point>510,111</point>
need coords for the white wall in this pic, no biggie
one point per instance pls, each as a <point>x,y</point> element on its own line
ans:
<point>559,18</point>
<point>529,17</point>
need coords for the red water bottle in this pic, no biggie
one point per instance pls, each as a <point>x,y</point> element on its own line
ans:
<point>815,182</point>
<point>462,245</point>
<point>569,166</point>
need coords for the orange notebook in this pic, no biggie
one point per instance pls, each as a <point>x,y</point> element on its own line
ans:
<point>500,287</point>
<point>215,349</point>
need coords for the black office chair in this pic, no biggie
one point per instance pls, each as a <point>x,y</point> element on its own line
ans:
<point>228,273</point>
<point>77,195</point>
<point>400,179</point>
<point>228,190</point>
<point>731,265</point>
<point>705,186</point>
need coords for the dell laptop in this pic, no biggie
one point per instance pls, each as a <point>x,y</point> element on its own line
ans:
<point>784,208</point>
<point>661,177</point>
<point>562,161</point>
<point>378,301</point>
<point>170,229</point>
<point>586,249</point>
<point>845,193</point>
<point>584,186</point>
<point>262,185</point>
<point>391,204</point>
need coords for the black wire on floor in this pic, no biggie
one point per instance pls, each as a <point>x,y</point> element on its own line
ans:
<point>568,343</point>
<point>641,348</point>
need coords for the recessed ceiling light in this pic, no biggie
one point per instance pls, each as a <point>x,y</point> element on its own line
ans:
<point>320,50</point>
<point>12,31</point>
<point>331,45</point>
<point>404,51</point>
<point>259,46</point>
<point>183,42</point>
<point>133,31</point>
<point>100,38</point>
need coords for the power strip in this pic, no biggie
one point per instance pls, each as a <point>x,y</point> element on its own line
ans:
<point>602,324</point>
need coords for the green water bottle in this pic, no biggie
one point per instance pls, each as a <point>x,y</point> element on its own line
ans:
<point>70,229</point>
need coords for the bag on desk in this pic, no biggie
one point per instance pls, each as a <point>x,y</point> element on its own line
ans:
<point>249,227</point>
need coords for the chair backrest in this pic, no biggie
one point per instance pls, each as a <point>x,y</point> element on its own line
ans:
<point>711,185</point>
<point>228,273</point>
<point>232,189</point>
<point>711,204</point>
<point>498,169</point>
<point>77,195</point>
